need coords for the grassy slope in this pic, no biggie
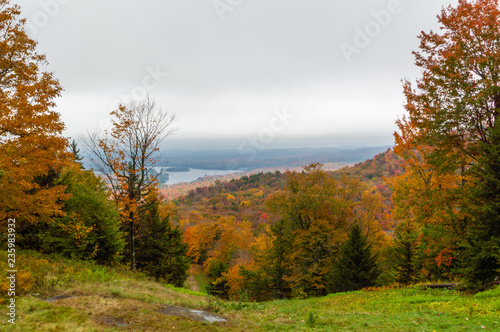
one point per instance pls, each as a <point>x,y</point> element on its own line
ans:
<point>104,296</point>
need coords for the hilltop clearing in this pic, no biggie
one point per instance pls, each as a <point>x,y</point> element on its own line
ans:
<point>105,299</point>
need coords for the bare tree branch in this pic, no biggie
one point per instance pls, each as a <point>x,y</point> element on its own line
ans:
<point>127,153</point>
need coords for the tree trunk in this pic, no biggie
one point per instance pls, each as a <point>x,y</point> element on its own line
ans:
<point>132,242</point>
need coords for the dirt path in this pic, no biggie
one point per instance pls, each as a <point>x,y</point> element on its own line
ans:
<point>193,285</point>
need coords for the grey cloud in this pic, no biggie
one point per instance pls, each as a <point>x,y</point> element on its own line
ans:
<point>264,54</point>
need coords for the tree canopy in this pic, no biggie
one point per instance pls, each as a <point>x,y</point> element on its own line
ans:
<point>31,141</point>
<point>452,115</point>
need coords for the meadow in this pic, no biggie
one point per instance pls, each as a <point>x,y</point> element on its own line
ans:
<point>98,298</point>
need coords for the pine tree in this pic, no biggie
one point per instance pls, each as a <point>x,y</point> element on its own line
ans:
<point>355,267</point>
<point>219,287</point>
<point>90,228</point>
<point>482,259</point>
<point>75,151</point>
<point>160,250</point>
<point>403,252</point>
<point>276,268</point>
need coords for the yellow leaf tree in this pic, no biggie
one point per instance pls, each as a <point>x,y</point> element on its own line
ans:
<point>316,212</point>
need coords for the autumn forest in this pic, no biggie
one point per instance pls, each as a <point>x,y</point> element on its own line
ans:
<point>426,211</point>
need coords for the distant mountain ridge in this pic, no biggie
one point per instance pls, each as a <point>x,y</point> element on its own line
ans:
<point>252,159</point>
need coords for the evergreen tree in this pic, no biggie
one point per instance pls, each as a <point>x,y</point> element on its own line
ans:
<point>219,287</point>
<point>355,266</point>
<point>160,250</point>
<point>482,259</point>
<point>257,285</point>
<point>75,151</point>
<point>90,228</point>
<point>277,269</point>
<point>403,252</point>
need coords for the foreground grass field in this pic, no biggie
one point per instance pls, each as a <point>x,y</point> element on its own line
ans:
<point>104,299</point>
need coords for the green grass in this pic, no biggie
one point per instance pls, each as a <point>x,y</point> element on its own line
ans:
<point>103,296</point>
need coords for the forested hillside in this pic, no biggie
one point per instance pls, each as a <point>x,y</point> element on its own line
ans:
<point>233,229</point>
<point>114,248</point>
<point>242,198</point>
<point>250,192</point>
<point>375,172</point>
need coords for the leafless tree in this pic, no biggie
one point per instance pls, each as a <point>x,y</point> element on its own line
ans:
<point>126,154</point>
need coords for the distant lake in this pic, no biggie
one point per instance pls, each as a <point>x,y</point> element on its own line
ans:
<point>195,174</point>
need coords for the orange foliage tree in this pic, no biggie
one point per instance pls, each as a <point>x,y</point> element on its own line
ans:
<point>31,144</point>
<point>451,113</point>
<point>432,201</point>
<point>221,247</point>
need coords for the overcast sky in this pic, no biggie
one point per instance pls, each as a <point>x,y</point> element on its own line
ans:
<point>238,73</point>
